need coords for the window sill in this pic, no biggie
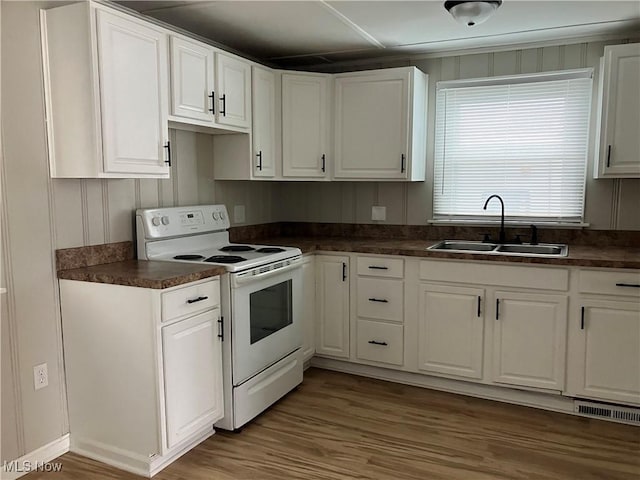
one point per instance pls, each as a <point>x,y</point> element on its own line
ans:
<point>507,223</point>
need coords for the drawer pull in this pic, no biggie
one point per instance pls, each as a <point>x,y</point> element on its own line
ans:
<point>375,342</point>
<point>497,309</point>
<point>376,267</point>
<point>632,285</point>
<point>221,329</point>
<point>380,300</point>
<point>344,272</point>
<point>194,300</point>
<point>582,318</point>
<point>479,302</point>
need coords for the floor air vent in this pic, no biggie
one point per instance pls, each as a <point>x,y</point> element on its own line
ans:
<point>611,412</point>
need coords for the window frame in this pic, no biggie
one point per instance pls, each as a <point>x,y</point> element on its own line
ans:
<point>527,78</point>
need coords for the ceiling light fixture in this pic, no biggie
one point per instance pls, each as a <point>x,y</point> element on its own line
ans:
<point>471,13</point>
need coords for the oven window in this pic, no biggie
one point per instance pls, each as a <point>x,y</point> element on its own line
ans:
<point>271,310</point>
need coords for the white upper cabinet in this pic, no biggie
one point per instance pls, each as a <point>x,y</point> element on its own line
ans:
<point>619,149</point>
<point>209,88</point>
<point>106,84</point>
<point>234,91</point>
<point>192,80</point>
<point>305,125</point>
<point>264,122</point>
<point>380,125</point>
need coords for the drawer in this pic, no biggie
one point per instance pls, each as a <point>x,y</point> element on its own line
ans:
<point>190,300</point>
<point>625,283</point>
<point>381,267</point>
<point>380,298</point>
<point>380,342</point>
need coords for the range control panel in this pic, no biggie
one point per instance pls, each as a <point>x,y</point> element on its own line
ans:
<point>176,221</point>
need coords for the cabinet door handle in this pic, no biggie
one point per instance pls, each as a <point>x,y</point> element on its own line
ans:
<point>375,342</point>
<point>632,285</point>
<point>221,328</point>
<point>259,155</point>
<point>381,300</point>
<point>168,147</point>
<point>194,300</point>
<point>402,167</point>
<point>376,267</point>
<point>324,163</point>
<point>213,102</point>
<point>608,156</point>
<point>582,319</point>
<point>479,300</point>
<point>223,110</point>
<point>497,308</point>
<point>344,271</point>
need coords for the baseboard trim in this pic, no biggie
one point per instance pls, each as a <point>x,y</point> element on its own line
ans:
<point>133,462</point>
<point>553,402</point>
<point>35,460</point>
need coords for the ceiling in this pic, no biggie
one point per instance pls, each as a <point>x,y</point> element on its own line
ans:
<point>307,33</point>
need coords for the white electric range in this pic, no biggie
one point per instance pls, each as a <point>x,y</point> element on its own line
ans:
<point>260,302</point>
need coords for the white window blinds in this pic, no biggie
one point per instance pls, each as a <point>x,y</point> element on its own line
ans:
<point>522,137</point>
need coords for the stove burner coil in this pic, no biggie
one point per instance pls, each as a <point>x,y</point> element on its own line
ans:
<point>270,250</point>
<point>225,259</point>
<point>237,248</point>
<point>188,257</point>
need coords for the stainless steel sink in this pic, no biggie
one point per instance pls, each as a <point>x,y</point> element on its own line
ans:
<point>526,250</point>
<point>546,250</point>
<point>463,246</point>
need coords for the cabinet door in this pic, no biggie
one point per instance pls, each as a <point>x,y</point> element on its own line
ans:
<point>451,330</point>
<point>605,351</point>
<point>234,91</point>
<point>619,146</point>
<point>371,132</point>
<point>133,95</point>
<point>529,339</point>
<point>192,362</point>
<point>304,125</point>
<point>264,122</point>
<point>332,283</point>
<point>192,82</point>
<point>309,308</point>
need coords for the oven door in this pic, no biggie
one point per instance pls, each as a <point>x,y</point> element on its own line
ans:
<point>266,323</point>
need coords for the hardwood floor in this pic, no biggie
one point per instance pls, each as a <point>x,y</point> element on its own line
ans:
<point>338,426</point>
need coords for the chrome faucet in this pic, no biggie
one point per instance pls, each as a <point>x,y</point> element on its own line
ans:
<point>503,236</point>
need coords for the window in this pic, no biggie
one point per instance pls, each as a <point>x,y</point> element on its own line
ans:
<point>522,137</point>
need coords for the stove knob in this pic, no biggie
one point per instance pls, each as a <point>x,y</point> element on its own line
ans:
<point>216,216</point>
<point>221,215</point>
<point>155,221</point>
<point>165,220</point>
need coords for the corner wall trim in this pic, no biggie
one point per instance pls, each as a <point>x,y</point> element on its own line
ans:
<point>20,466</point>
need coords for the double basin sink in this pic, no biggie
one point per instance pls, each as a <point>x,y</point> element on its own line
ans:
<point>524,250</point>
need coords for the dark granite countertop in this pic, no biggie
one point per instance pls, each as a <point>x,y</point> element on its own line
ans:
<point>579,255</point>
<point>142,273</point>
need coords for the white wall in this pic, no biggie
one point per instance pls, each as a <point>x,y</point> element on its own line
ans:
<point>610,204</point>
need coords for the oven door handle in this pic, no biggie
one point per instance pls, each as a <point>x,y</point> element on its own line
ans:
<point>250,278</point>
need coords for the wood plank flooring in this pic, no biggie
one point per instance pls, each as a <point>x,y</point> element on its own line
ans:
<point>338,426</point>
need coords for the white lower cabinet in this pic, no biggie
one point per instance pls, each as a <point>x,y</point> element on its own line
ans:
<point>191,404</point>
<point>308,307</point>
<point>451,330</point>
<point>604,337</point>
<point>332,296</point>
<point>144,376</point>
<point>529,339</point>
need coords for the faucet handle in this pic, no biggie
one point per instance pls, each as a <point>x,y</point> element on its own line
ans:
<point>487,238</point>
<point>534,235</point>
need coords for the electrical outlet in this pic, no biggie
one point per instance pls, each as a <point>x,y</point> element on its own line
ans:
<point>379,213</point>
<point>40,376</point>
<point>238,214</point>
